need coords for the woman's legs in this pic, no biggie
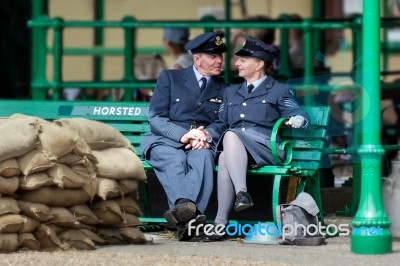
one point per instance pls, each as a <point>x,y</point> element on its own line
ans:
<point>232,166</point>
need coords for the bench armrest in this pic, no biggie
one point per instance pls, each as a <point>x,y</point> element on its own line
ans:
<point>285,145</point>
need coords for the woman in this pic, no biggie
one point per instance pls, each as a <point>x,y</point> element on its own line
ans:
<point>243,129</point>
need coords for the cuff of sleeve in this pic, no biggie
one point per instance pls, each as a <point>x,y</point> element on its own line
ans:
<point>176,133</point>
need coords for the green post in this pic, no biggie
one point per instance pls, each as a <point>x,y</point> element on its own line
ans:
<point>98,41</point>
<point>308,60</point>
<point>371,213</point>
<point>228,42</point>
<point>128,57</point>
<point>284,64</point>
<point>38,64</point>
<point>57,57</point>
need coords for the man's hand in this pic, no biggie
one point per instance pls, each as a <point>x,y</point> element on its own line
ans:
<point>296,121</point>
<point>194,134</point>
<point>197,145</point>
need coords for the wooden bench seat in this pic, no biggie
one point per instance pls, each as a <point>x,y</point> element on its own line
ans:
<point>304,147</point>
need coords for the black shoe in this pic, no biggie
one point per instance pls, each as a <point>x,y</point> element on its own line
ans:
<point>183,229</point>
<point>214,236</point>
<point>181,213</point>
<point>243,201</point>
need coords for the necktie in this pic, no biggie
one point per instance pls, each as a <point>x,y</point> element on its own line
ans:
<point>250,88</point>
<point>203,85</point>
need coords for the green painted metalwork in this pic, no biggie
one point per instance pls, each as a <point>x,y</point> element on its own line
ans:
<point>371,211</point>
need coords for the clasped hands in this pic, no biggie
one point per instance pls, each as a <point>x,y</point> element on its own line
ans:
<point>196,139</point>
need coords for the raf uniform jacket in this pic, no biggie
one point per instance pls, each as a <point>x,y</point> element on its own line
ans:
<point>252,117</point>
<point>177,104</point>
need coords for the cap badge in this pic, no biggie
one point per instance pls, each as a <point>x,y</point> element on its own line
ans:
<point>218,40</point>
<point>244,43</point>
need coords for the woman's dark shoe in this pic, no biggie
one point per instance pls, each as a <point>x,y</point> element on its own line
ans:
<point>243,201</point>
<point>182,212</point>
<point>218,233</point>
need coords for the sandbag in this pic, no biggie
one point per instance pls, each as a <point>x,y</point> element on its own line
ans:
<point>129,220</point>
<point>19,136</point>
<point>96,134</point>
<point>35,161</point>
<point>62,217</point>
<point>128,205</point>
<point>9,205</point>
<point>119,163</point>
<point>108,212</point>
<point>28,241</point>
<point>9,168</point>
<point>87,172</point>
<point>94,237</point>
<point>78,240</point>
<point>8,243</point>
<point>111,235</point>
<point>84,214</point>
<point>36,211</point>
<point>48,240</point>
<point>64,177</point>
<point>29,225</point>
<point>107,188</point>
<point>133,235</point>
<point>128,186</point>
<point>55,197</point>
<point>8,185</point>
<point>34,181</point>
<point>11,223</point>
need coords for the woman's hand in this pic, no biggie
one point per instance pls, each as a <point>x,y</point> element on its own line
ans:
<point>296,121</point>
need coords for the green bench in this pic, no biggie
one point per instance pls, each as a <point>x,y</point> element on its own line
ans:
<point>304,147</point>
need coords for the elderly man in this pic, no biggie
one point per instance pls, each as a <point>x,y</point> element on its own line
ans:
<point>184,100</point>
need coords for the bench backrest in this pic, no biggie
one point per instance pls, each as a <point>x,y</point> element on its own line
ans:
<point>307,144</point>
<point>130,118</point>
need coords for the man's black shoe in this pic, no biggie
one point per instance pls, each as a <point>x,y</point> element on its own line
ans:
<point>183,230</point>
<point>218,233</point>
<point>181,213</point>
<point>243,201</point>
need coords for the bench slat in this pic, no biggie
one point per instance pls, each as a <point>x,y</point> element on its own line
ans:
<point>129,127</point>
<point>307,144</point>
<point>307,155</point>
<point>318,133</point>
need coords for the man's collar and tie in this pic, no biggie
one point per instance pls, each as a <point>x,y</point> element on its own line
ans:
<point>203,82</point>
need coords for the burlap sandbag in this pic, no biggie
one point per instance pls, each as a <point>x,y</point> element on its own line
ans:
<point>108,212</point>
<point>70,159</point>
<point>128,186</point>
<point>54,140</point>
<point>8,243</point>
<point>29,226</point>
<point>28,241</point>
<point>133,235</point>
<point>119,163</point>
<point>9,205</point>
<point>19,136</point>
<point>56,197</point>
<point>64,177</point>
<point>129,205</point>
<point>11,223</point>
<point>84,214</point>
<point>9,168</point>
<point>35,161</point>
<point>107,188</point>
<point>129,220</point>
<point>62,217</point>
<point>77,240</point>
<point>57,229</point>
<point>111,235</point>
<point>48,240</point>
<point>34,181</point>
<point>96,134</point>
<point>36,211</point>
<point>8,185</point>
<point>87,172</point>
<point>94,237</point>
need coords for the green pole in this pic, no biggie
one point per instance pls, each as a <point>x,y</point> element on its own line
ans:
<point>371,234</point>
<point>308,59</point>
<point>228,42</point>
<point>38,64</point>
<point>98,40</point>
<point>57,58</point>
<point>284,64</point>
<point>128,57</point>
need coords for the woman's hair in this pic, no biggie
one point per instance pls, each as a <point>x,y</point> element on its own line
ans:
<point>269,68</point>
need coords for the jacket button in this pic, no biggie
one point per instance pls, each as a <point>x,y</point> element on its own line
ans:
<point>263,101</point>
<point>199,104</point>
<point>215,112</point>
<point>241,115</point>
<point>243,128</point>
<point>244,104</point>
<point>177,100</point>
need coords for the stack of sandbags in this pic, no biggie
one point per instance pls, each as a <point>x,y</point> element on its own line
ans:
<point>66,184</point>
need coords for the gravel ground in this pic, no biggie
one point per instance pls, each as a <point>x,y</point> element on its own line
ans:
<point>167,251</point>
